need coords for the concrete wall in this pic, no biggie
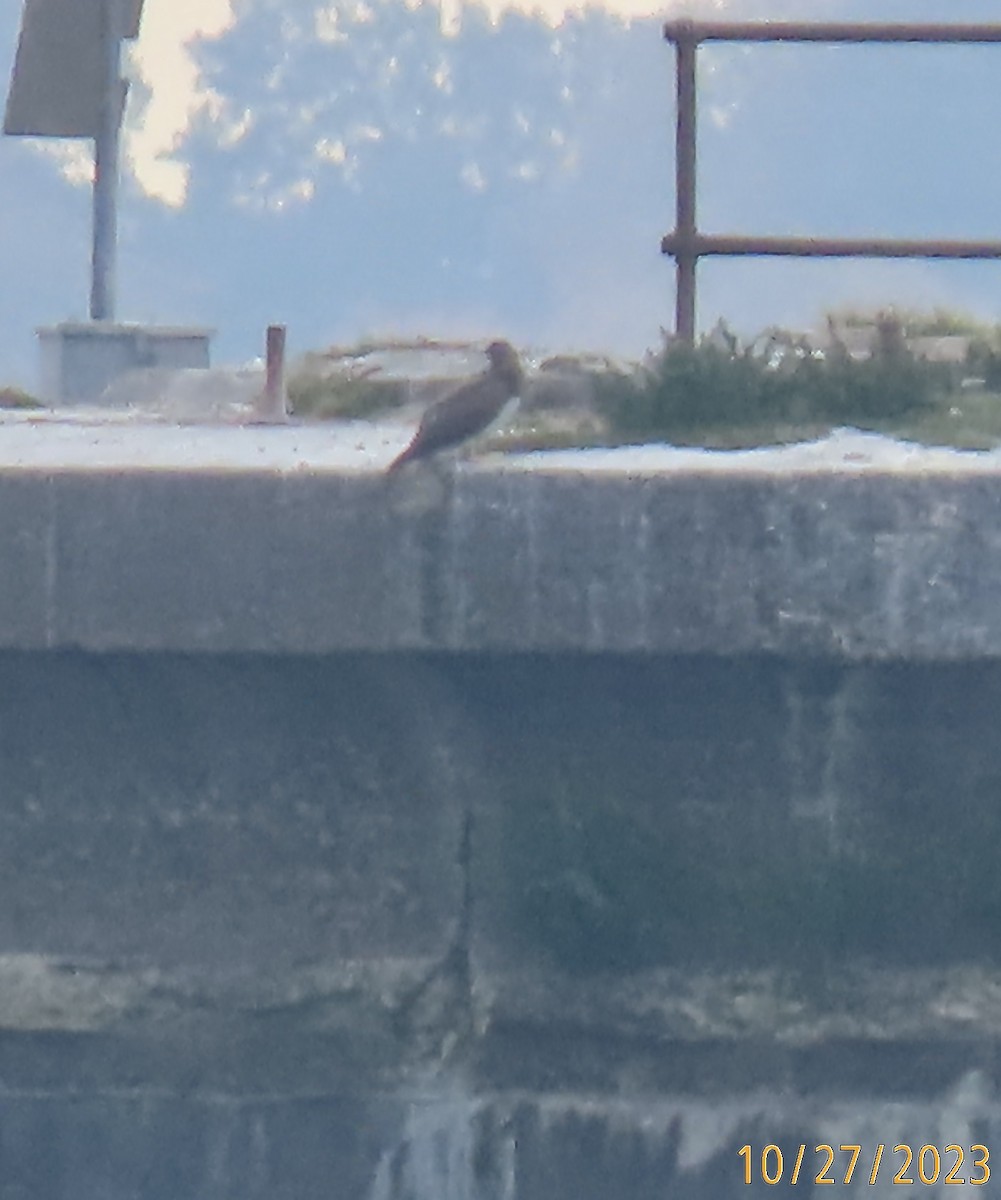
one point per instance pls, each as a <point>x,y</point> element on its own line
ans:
<point>530,926</point>
<point>469,903</point>
<point>869,565</point>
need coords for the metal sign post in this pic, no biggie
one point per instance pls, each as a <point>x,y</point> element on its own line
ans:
<point>67,83</point>
<point>106,139</point>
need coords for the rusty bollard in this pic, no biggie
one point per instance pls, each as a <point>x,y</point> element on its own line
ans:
<point>274,405</point>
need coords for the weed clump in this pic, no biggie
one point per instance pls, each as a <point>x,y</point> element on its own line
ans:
<point>344,396</point>
<point>15,397</point>
<point>778,377</point>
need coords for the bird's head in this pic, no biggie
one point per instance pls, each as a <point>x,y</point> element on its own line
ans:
<point>504,361</point>
<point>501,354</point>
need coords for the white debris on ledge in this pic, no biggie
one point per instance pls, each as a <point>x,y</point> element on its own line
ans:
<point>116,440</point>
<point>844,450</point>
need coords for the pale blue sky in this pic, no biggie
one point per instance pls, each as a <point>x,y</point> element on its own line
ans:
<point>593,278</point>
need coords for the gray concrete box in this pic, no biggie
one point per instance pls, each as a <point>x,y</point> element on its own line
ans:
<point>80,359</point>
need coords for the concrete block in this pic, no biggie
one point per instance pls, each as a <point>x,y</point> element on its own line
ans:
<point>80,359</point>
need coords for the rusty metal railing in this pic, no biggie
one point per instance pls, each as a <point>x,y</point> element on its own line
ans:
<point>687,245</point>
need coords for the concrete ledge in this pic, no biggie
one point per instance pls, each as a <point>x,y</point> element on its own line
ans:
<point>880,565</point>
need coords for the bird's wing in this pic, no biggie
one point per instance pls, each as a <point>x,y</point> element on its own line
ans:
<point>463,413</point>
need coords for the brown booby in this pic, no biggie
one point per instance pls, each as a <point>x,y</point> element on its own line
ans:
<point>469,410</point>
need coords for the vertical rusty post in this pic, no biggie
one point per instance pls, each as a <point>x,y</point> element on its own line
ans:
<point>686,245</point>
<point>275,408</point>
<point>686,259</point>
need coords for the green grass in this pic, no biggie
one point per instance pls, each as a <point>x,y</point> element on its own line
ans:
<point>15,397</point>
<point>940,322</point>
<point>354,391</point>
<point>344,397</point>
<point>726,394</point>
<point>780,379</point>
<point>968,420</point>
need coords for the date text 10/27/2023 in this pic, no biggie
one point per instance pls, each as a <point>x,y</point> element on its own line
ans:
<point>954,1164</point>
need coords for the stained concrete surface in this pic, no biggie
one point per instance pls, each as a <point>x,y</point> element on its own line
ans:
<point>487,926</point>
<point>128,538</point>
<point>551,830</point>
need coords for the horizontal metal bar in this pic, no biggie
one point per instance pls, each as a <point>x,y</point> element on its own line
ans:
<point>814,247</point>
<point>815,31</point>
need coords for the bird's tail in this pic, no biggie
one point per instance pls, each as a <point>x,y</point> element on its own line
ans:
<point>400,460</point>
